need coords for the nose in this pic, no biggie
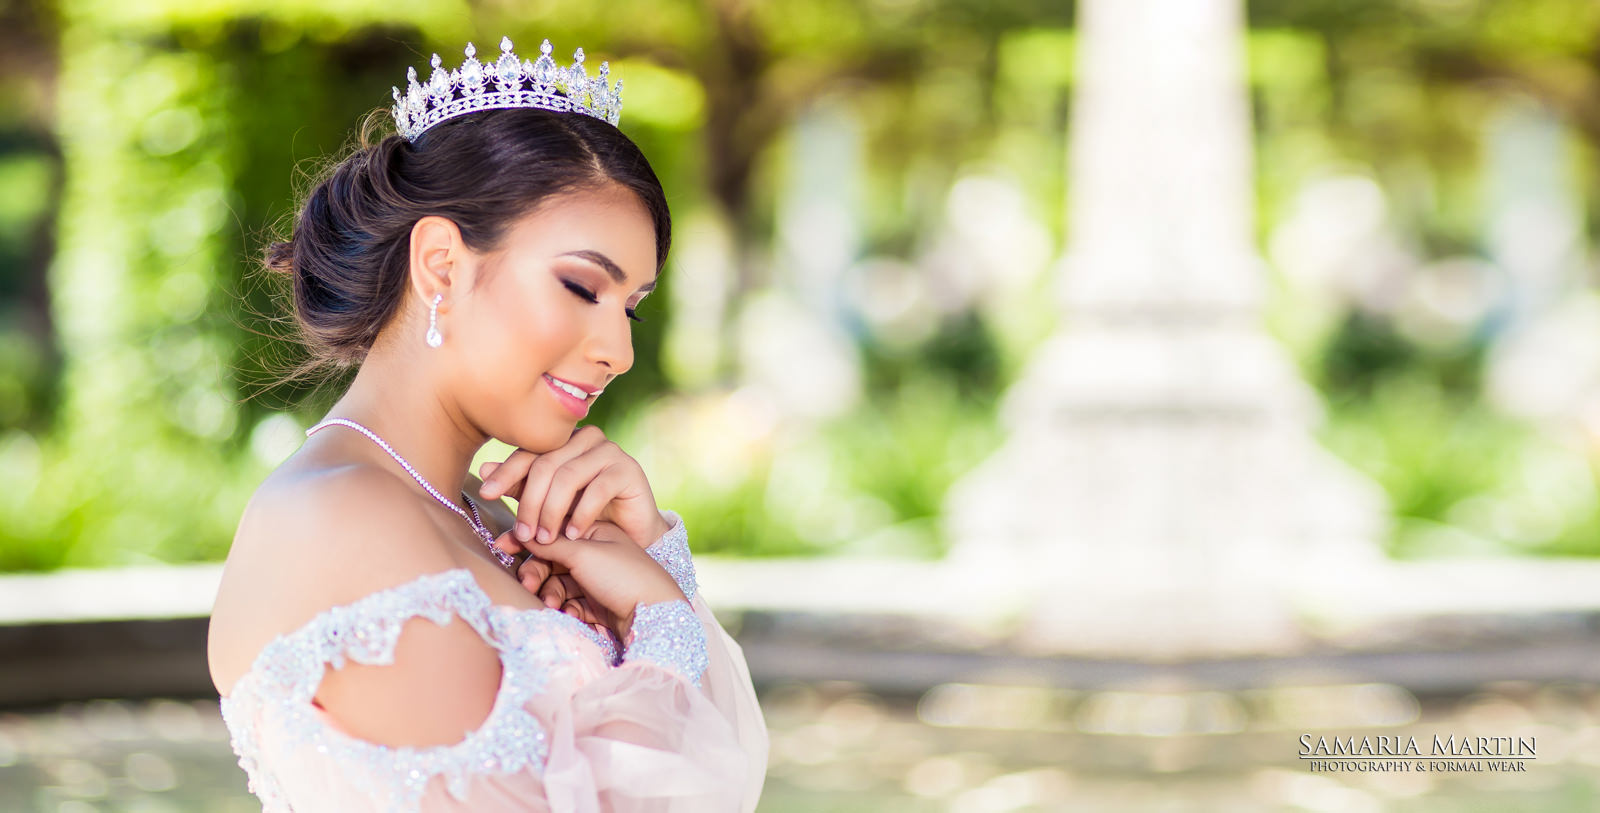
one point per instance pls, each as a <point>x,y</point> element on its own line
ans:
<point>611,343</point>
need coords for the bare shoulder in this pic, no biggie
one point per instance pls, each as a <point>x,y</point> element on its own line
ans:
<point>314,539</point>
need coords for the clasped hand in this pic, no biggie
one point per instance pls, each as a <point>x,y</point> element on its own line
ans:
<point>585,514</point>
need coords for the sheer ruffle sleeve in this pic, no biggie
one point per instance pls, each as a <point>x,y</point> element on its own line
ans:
<point>713,717</point>
<point>674,726</point>
<point>726,681</point>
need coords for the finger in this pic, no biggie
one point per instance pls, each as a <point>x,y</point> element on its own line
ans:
<point>560,589</point>
<point>553,593</point>
<point>566,488</point>
<point>596,496</point>
<point>509,482</point>
<point>542,571</point>
<point>606,620</point>
<point>543,511</point>
<point>580,473</point>
<point>574,608</point>
<point>508,543</point>
<point>540,474</point>
<point>533,570</point>
<point>580,607</point>
<point>606,531</point>
<point>491,487</point>
<point>496,491</point>
<point>534,580</point>
<point>569,586</point>
<point>566,555</point>
<point>503,478</point>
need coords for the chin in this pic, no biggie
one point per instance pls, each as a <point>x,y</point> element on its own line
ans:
<point>543,439</point>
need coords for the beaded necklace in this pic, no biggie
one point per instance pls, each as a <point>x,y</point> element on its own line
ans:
<point>475,521</point>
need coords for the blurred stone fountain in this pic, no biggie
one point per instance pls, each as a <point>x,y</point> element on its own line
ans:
<point>1160,491</point>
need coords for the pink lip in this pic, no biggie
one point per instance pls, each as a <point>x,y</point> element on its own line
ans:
<point>578,408</point>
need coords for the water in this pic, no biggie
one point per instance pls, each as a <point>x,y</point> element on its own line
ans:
<point>965,749</point>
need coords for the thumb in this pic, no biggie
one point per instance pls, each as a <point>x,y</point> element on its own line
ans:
<point>561,550</point>
<point>487,469</point>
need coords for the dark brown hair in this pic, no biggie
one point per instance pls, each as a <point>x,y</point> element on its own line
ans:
<point>349,252</point>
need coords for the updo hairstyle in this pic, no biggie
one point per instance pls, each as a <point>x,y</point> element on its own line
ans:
<point>348,256</point>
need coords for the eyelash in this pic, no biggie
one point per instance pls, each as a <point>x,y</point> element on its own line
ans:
<point>588,296</point>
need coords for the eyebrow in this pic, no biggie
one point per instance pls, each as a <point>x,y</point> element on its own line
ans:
<point>610,267</point>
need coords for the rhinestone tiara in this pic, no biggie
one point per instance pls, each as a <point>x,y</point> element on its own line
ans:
<point>505,82</point>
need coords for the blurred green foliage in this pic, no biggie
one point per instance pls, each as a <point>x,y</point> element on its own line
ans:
<point>870,483</point>
<point>149,151</point>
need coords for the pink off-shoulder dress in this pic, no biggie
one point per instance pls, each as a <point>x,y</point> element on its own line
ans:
<point>670,723</point>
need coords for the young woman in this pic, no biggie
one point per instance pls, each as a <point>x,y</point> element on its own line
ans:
<point>383,641</point>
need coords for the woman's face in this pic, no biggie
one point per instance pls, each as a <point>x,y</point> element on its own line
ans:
<point>550,311</point>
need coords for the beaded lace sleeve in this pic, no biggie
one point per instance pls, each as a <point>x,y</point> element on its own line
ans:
<point>675,729</point>
<point>671,551</point>
<point>669,635</point>
<point>270,710</point>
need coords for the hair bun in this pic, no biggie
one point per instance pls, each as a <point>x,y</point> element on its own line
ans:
<point>348,256</point>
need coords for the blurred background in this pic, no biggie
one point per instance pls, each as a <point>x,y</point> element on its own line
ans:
<point>996,335</point>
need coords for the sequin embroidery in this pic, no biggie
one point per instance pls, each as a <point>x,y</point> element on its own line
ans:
<point>275,696</point>
<point>284,678</point>
<point>605,641</point>
<point>671,551</point>
<point>670,635</point>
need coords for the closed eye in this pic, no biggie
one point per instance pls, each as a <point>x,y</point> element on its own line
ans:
<point>588,296</point>
<point>583,293</point>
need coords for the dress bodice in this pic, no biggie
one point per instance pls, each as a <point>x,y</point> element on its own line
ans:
<point>574,725</point>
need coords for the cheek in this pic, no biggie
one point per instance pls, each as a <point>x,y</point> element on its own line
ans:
<point>549,324</point>
<point>523,335</point>
<point>546,335</point>
<point>515,341</point>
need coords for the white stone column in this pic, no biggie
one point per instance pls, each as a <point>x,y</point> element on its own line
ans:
<point>1160,484</point>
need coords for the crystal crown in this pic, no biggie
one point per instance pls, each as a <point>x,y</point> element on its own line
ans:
<point>505,82</point>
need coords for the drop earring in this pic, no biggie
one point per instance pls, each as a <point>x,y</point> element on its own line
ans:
<point>434,339</point>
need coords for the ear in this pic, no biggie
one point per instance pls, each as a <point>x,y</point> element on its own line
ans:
<point>437,253</point>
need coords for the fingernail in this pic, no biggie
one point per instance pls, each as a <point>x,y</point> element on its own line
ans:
<point>572,532</point>
<point>523,532</point>
<point>489,491</point>
<point>544,535</point>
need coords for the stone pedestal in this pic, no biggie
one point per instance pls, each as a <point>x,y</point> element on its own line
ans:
<point>1160,479</point>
